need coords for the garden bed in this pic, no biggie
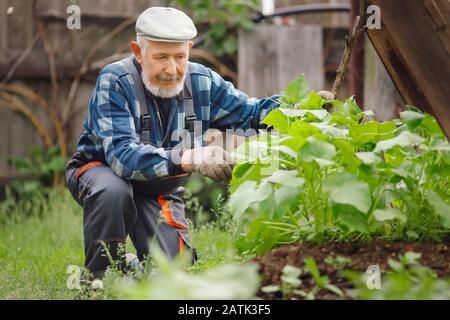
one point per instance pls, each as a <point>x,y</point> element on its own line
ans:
<point>435,256</point>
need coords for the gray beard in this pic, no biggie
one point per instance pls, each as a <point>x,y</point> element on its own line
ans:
<point>160,92</point>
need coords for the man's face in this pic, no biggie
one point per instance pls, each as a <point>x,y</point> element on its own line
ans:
<point>164,63</point>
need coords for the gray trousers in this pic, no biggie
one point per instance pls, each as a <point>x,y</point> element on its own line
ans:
<point>113,211</point>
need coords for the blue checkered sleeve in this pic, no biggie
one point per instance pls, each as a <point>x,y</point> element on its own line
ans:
<point>232,108</point>
<point>114,128</point>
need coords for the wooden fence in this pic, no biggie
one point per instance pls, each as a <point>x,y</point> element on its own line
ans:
<point>35,32</point>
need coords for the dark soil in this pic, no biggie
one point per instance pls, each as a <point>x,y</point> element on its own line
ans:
<point>434,255</point>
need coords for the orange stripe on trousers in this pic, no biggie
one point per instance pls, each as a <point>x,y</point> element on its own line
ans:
<point>167,215</point>
<point>89,165</point>
<point>181,245</point>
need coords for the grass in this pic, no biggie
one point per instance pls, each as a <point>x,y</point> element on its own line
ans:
<point>36,249</point>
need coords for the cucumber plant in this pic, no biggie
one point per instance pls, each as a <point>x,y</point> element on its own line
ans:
<point>339,176</point>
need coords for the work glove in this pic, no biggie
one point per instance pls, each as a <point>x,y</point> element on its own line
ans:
<point>327,95</point>
<point>212,161</point>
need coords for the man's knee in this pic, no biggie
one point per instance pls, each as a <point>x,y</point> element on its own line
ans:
<point>113,196</point>
<point>117,191</point>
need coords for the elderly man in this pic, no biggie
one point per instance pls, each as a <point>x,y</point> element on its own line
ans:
<point>143,136</point>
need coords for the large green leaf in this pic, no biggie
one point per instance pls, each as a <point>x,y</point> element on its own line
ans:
<point>412,119</point>
<point>347,188</point>
<point>277,120</point>
<point>244,172</point>
<point>296,91</point>
<point>318,114</point>
<point>441,145</point>
<point>369,158</point>
<point>247,194</point>
<point>347,153</point>
<point>353,219</point>
<point>441,207</point>
<point>285,196</point>
<point>315,150</point>
<point>405,138</point>
<point>388,214</point>
<point>303,129</point>
<point>286,178</point>
<point>314,102</point>
<point>330,130</point>
<point>271,209</point>
<point>372,132</point>
<point>294,143</point>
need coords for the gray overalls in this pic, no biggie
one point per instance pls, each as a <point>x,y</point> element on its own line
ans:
<point>115,208</point>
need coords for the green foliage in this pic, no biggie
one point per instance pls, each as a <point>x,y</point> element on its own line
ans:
<point>223,17</point>
<point>406,280</point>
<point>41,164</point>
<point>291,284</point>
<point>321,282</point>
<point>338,262</point>
<point>169,281</point>
<point>340,176</point>
<point>204,206</point>
<point>24,198</point>
<point>42,167</point>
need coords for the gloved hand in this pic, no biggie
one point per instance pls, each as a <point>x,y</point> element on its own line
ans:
<point>212,161</point>
<point>327,95</point>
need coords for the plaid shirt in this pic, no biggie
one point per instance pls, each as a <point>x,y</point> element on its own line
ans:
<point>112,125</point>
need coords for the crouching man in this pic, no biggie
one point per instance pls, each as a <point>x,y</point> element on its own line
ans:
<point>143,136</point>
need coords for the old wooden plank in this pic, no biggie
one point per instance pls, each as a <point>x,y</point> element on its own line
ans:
<point>257,62</point>
<point>22,136</point>
<point>20,23</point>
<point>415,55</point>
<point>3,24</point>
<point>5,145</point>
<point>272,56</point>
<point>99,8</point>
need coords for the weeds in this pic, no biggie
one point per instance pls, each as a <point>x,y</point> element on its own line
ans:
<point>406,280</point>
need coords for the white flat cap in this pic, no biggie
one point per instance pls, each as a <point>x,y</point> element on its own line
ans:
<point>165,24</point>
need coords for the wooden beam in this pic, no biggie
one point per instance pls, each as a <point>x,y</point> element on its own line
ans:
<point>413,44</point>
<point>35,65</point>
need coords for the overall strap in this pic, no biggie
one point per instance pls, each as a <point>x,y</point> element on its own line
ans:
<point>137,81</point>
<point>189,113</point>
<point>188,102</point>
<point>132,68</point>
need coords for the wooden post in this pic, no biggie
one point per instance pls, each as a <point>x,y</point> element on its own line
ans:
<point>356,74</point>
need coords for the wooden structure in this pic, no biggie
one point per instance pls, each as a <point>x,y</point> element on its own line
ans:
<point>21,40</point>
<point>271,56</point>
<point>414,46</point>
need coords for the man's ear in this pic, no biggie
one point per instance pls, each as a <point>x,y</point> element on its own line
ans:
<point>136,50</point>
<point>190,44</point>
